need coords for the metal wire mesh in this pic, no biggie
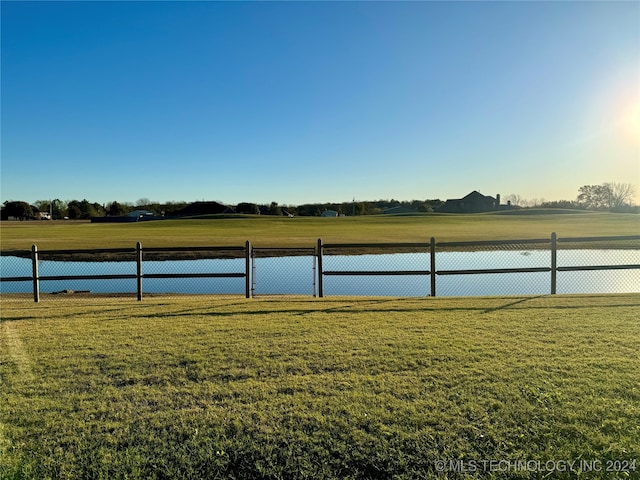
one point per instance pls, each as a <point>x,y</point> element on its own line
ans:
<point>59,273</point>
<point>163,272</point>
<point>617,261</point>
<point>283,271</point>
<point>584,265</point>
<point>478,269</point>
<point>15,266</point>
<point>217,272</point>
<point>377,274</point>
<point>201,285</point>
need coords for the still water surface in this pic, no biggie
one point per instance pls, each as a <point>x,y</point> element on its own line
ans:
<point>297,275</point>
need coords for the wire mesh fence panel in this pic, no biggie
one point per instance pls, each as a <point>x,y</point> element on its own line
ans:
<point>286,271</point>
<point>194,271</point>
<point>15,267</point>
<point>391,274</point>
<point>59,273</point>
<point>193,286</point>
<point>598,265</point>
<point>466,269</point>
<point>215,285</point>
<point>517,267</point>
<point>531,283</point>
<point>107,272</point>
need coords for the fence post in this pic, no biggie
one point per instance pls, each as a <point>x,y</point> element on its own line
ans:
<point>432,268</point>
<point>139,270</point>
<point>247,257</point>
<point>253,272</point>
<point>320,279</point>
<point>36,279</point>
<point>554,262</point>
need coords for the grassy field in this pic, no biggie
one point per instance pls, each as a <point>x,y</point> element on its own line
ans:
<point>357,388</point>
<point>304,231</point>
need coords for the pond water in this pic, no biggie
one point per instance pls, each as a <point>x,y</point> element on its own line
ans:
<point>297,274</point>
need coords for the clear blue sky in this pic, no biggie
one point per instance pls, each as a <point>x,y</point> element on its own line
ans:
<point>299,102</point>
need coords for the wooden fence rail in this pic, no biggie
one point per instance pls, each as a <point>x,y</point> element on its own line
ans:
<point>433,246</point>
<point>320,251</point>
<point>36,278</point>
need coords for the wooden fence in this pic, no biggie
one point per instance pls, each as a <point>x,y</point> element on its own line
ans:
<point>320,251</point>
<point>139,275</point>
<point>433,246</point>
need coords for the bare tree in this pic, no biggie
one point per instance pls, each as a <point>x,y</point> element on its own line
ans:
<point>611,195</point>
<point>515,199</point>
<point>620,194</point>
<point>520,201</point>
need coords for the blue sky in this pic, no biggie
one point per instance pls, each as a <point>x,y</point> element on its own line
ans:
<point>299,102</point>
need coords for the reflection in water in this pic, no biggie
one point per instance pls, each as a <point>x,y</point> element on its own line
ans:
<point>297,275</point>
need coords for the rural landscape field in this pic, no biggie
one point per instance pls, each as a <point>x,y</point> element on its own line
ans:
<point>500,387</point>
<point>299,387</point>
<point>320,240</point>
<point>266,231</point>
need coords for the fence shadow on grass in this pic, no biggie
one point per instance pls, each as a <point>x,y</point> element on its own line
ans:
<point>511,304</point>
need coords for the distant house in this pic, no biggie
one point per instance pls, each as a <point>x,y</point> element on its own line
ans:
<point>329,213</point>
<point>475,202</point>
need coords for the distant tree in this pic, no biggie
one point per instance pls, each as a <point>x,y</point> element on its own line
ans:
<point>620,195</point>
<point>170,208</point>
<point>248,208</point>
<point>143,202</point>
<point>516,199</point>
<point>114,209</point>
<point>74,211</point>
<point>97,210</point>
<point>84,209</point>
<point>561,204</point>
<point>435,203</point>
<point>43,205</point>
<point>59,208</point>
<point>612,196</point>
<point>17,209</point>
<point>306,209</point>
<point>274,209</point>
<point>593,197</point>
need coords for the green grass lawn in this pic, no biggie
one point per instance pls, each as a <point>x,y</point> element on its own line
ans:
<point>304,231</point>
<point>196,387</point>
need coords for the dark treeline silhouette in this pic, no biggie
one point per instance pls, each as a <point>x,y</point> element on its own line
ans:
<point>84,209</point>
<point>612,196</point>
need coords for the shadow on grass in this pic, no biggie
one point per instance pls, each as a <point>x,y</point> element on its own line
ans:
<point>308,307</point>
<point>522,300</point>
<point>391,305</point>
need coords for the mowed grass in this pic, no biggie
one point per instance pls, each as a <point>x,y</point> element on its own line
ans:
<point>201,387</point>
<point>304,231</point>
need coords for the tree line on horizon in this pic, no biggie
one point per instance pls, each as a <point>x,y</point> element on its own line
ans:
<point>611,196</point>
<point>77,210</point>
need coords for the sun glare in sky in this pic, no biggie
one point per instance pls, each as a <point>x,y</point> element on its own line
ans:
<point>630,123</point>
